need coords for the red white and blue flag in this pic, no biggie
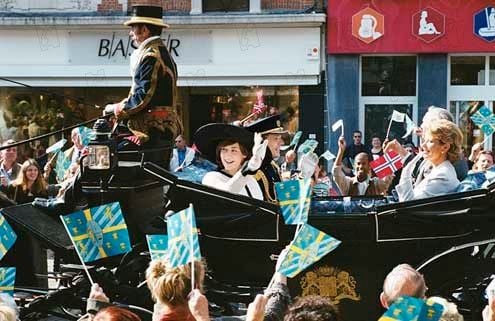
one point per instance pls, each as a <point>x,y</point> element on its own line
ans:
<point>387,164</point>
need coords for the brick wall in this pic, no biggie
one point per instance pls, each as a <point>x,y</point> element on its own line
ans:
<point>290,4</point>
<point>109,5</point>
<point>168,5</point>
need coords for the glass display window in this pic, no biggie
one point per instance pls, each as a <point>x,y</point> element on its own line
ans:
<point>388,75</point>
<point>225,5</point>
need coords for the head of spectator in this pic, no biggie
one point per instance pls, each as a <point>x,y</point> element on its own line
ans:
<point>483,161</point>
<point>357,137</point>
<point>312,308</point>
<point>272,131</point>
<point>402,280</point>
<point>180,142</point>
<point>30,178</point>
<point>450,312</point>
<point>410,148</point>
<point>273,110</point>
<point>115,314</point>
<point>441,142</point>
<point>170,286</point>
<point>75,136</point>
<point>362,166</point>
<point>376,143</point>
<point>9,155</point>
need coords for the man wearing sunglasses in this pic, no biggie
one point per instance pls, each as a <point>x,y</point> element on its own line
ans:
<point>352,150</point>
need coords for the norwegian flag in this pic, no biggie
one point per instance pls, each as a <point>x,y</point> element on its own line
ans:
<point>387,164</point>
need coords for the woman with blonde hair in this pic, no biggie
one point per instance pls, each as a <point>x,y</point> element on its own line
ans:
<point>441,146</point>
<point>28,184</point>
<point>170,288</point>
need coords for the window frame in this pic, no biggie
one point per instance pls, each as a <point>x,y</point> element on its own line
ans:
<point>197,7</point>
<point>385,100</point>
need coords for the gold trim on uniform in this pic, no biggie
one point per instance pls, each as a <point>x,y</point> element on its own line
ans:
<point>331,282</point>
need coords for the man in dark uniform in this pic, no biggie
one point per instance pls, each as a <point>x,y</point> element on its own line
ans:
<point>149,112</point>
<point>269,173</point>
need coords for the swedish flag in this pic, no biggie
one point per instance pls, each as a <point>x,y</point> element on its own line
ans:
<point>62,166</point>
<point>7,280</point>
<point>294,198</point>
<point>158,246</point>
<point>309,246</point>
<point>7,236</point>
<point>412,309</point>
<point>183,242</point>
<point>98,232</point>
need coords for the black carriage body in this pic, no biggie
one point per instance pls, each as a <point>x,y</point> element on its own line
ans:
<point>449,238</point>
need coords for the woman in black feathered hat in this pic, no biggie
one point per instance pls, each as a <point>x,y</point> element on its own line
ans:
<point>231,147</point>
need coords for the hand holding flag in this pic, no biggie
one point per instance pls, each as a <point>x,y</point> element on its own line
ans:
<point>389,163</point>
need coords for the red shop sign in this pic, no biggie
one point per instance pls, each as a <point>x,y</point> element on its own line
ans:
<point>406,26</point>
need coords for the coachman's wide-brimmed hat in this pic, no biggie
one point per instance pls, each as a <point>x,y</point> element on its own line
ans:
<point>268,125</point>
<point>152,15</point>
<point>207,138</point>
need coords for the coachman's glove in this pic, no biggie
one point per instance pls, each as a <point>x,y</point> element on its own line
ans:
<point>259,151</point>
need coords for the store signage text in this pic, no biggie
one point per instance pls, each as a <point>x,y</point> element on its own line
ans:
<point>123,47</point>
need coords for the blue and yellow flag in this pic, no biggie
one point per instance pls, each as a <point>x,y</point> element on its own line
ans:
<point>484,119</point>
<point>158,246</point>
<point>294,198</point>
<point>412,309</point>
<point>86,134</point>
<point>309,246</point>
<point>308,146</point>
<point>7,280</point>
<point>7,236</point>
<point>62,166</point>
<point>183,242</point>
<point>98,232</point>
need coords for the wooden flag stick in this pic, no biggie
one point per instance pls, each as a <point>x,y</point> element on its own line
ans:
<point>78,254</point>
<point>388,130</point>
<point>245,119</point>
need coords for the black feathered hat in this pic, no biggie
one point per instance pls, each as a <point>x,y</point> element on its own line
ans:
<point>209,136</point>
<point>268,125</point>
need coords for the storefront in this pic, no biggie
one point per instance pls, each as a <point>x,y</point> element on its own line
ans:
<point>222,62</point>
<point>405,55</point>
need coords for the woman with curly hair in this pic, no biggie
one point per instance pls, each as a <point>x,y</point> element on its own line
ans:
<point>28,184</point>
<point>170,287</point>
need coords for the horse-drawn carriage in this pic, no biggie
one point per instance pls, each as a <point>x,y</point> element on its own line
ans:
<point>450,239</point>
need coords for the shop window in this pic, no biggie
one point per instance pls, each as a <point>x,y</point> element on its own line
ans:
<point>225,5</point>
<point>375,115</point>
<point>388,76</point>
<point>492,71</point>
<point>467,70</point>
<point>462,112</point>
<point>26,113</point>
<point>229,104</point>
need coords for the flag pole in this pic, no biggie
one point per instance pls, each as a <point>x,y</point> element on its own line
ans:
<point>77,251</point>
<point>389,126</point>
<point>192,248</point>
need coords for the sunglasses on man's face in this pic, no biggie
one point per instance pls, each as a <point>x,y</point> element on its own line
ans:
<point>357,136</point>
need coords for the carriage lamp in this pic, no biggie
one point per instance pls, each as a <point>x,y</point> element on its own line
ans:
<point>102,154</point>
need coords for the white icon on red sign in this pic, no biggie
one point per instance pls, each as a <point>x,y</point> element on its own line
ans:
<point>368,25</point>
<point>428,24</point>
